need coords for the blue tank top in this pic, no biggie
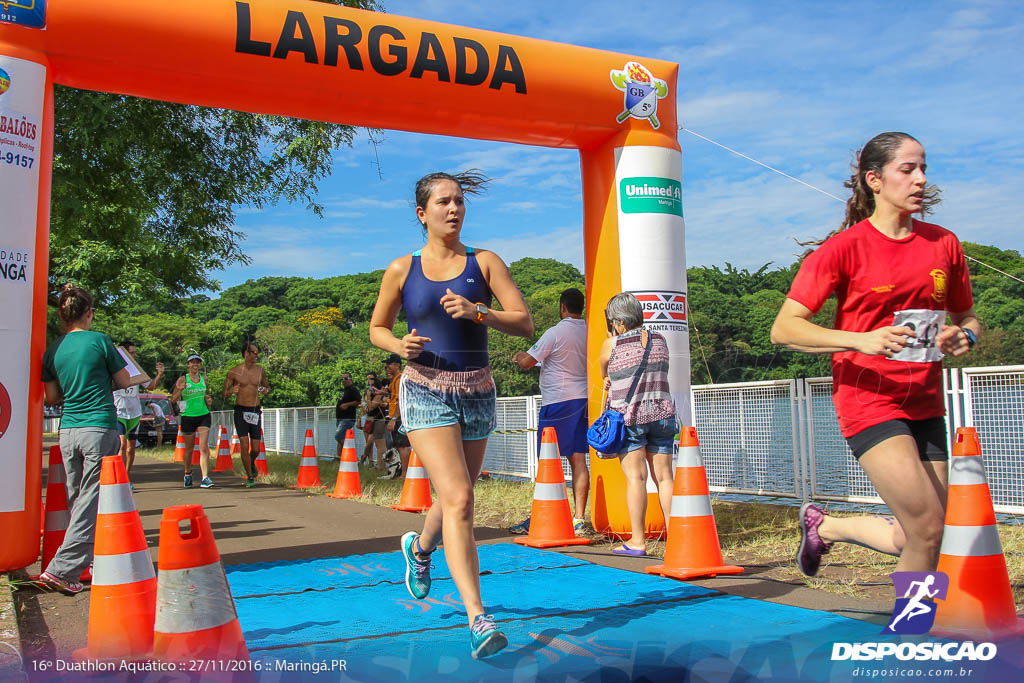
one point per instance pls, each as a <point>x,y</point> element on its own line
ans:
<point>456,345</point>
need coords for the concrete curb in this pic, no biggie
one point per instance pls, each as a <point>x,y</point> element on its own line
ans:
<point>10,639</point>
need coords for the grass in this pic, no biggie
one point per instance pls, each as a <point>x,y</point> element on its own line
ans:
<point>751,534</point>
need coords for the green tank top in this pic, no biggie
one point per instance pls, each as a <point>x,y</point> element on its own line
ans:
<point>194,396</point>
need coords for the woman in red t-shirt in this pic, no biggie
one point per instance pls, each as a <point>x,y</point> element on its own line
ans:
<point>895,279</point>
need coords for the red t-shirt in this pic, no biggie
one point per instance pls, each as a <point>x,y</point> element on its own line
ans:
<point>875,279</point>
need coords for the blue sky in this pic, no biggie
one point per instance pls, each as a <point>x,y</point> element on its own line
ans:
<point>797,85</point>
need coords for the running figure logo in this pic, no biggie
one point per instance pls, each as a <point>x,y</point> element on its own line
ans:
<point>914,613</point>
<point>642,92</point>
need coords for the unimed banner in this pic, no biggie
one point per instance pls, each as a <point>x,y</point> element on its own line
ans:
<point>652,251</point>
<point>21,115</point>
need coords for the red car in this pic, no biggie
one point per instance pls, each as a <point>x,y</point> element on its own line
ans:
<point>147,426</point>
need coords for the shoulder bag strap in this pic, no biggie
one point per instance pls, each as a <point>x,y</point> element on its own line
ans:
<point>641,368</point>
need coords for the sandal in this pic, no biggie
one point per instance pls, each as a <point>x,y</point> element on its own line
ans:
<point>631,552</point>
<point>48,581</point>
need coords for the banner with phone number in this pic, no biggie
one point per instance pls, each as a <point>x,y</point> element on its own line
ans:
<point>22,86</point>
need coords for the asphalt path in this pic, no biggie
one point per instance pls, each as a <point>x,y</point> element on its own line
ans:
<point>267,523</point>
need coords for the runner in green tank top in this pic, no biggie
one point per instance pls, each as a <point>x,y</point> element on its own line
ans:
<point>194,396</point>
<point>195,418</point>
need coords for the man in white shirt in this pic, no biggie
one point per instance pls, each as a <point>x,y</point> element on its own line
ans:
<point>561,353</point>
<point>129,410</point>
<point>159,419</point>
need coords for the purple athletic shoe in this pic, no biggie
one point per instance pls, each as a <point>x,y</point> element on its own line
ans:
<point>811,545</point>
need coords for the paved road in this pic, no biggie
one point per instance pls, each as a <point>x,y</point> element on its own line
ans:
<point>266,524</point>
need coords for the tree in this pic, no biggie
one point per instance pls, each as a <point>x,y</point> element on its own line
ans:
<point>144,192</point>
<point>531,274</point>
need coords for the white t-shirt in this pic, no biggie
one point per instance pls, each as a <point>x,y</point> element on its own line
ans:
<point>158,412</point>
<point>127,403</point>
<point>561,353</point>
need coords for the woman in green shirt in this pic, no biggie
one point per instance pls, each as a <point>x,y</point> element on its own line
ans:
<point>195,418</point>
<point>78,369</point>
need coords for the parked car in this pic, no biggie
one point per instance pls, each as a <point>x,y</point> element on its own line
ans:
<point>147,430</point>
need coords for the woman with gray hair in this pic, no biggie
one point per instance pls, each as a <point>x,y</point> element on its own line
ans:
<point>632,353</point>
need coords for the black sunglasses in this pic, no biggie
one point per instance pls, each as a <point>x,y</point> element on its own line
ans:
<point>608,322</point>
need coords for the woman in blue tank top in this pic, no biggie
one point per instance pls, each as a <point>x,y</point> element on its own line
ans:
<point>446,394</point>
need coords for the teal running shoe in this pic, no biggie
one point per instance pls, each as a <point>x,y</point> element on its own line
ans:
<point>484,637</point>
<point>188,480</point>
<point>417,571</point>
<point>521,529</point>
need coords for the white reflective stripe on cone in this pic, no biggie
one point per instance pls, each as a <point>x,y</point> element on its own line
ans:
<point>349,443</point>
<point>971,541</point>
<point>308,462</point>
<point>549,491</point>
<point>55,474</point>
<point>689,456</point>
<point>193,599</point>
<point>416,473</point>
<point>57,520</point>
<point>549,451</point>
<point>115,498</point>
<point>967,470</point>
<point>263,456</point>
<point>114,570</point>
<point>345,466</point>
<point>690,506</point>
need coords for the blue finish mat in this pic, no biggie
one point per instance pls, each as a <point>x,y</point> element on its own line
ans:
<point>565,620</point>
<point>388,609</point>
<point>267,578</point>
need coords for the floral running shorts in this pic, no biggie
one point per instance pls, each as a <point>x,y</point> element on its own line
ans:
<point>440,398</point>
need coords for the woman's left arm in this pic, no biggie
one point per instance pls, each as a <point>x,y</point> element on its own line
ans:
<point>953,339</point>
<point>514,318</point>
<point>53,393</point>
<point>603,357</point>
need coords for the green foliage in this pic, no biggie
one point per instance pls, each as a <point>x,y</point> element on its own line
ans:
<point>533,274</point>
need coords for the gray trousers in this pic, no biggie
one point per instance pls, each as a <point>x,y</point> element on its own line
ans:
<point>83,449</point>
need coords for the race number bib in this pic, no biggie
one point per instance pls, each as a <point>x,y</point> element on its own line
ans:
<point>251,418</point>
<point>926,324</point>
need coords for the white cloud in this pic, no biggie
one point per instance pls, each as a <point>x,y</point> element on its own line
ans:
<point>532,207</point>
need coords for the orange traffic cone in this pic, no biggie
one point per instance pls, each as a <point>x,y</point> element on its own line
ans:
<point>348,484</point>
<point>122,602</point>
<point>979,600</point>
<point>416,489</point>
<point>223,452</point>
<point>309,472</point>
<point>236,445</point>
<point>195,451</point>
<point>692,548</point>
<point>550,519</point>
<point>261,460</point>
<point>179,447</point>
<point>56,516</point>
<point>195,613</point>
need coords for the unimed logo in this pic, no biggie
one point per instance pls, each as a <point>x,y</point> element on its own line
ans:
<point>651,194</point>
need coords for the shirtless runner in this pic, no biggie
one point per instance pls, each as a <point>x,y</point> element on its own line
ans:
<point>247,382</point>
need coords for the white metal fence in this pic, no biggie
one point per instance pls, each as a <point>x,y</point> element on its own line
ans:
<point>776,438</point>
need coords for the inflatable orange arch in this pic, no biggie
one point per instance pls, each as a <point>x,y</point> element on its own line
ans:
<point>322,62</point>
